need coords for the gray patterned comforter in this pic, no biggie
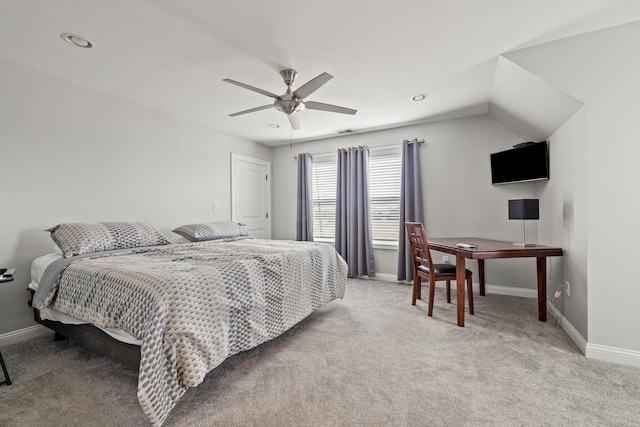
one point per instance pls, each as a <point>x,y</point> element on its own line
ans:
<point>193,305</point>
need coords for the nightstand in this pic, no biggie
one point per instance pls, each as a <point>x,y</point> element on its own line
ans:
<point>6,276</point>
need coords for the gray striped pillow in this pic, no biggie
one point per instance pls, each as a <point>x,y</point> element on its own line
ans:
<point>210,231</point>
<point>79,238</point>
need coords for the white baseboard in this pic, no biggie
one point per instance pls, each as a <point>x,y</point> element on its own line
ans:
<point>23,335</point>
<point>613,354</point>
<point>508,290</point>
<point>596,351</point>
<point>383,276</point>
<point>573,333</point>
<point>490,289</point>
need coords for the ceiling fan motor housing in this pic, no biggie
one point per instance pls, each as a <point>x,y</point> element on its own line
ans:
<point>289,76</point>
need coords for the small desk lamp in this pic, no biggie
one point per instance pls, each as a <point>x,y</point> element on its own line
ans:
<point>524,209</point>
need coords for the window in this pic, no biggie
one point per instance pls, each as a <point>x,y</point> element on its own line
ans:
<point>324,181</point>
<point>385,168</point>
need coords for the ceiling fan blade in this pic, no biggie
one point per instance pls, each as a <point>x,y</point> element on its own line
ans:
<point>239,113</point>
<point>294,119</point>
<point>312,105</point>
<point>312,85</point>
<point>255,89</point>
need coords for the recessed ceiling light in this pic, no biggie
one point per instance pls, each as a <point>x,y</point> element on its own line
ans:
<point>76,40</point>
<point>273,125</point>
<point>420,97</point>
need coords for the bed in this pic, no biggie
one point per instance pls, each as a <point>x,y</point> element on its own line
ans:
<point>178,310</point>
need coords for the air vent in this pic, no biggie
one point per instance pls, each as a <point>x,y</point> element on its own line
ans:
<point>342,132</point>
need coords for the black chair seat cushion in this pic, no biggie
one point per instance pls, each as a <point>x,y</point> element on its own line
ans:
<point>441,269</point>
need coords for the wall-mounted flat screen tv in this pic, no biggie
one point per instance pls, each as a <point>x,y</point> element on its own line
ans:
<point>528,161</point>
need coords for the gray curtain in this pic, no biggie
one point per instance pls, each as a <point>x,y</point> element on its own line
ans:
<point>304,217</point>
<point>353,220</point>
<point>410,204</point>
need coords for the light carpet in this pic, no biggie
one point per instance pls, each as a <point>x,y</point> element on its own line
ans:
<point>371,359</point>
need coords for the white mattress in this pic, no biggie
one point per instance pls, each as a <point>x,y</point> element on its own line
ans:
<point>38,267</point>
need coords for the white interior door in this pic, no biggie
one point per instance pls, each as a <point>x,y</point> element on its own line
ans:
<point>251,195</point>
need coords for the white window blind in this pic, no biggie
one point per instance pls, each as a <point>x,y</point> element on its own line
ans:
<point>324,177</point>
<point>384,195</point>
<point>385,168</point>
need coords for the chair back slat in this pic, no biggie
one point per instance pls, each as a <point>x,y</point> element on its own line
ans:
<point>419,245</point>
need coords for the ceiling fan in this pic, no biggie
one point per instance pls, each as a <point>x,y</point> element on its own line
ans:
<point>293,101</point>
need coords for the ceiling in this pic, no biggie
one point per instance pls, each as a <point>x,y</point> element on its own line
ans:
<point>172,55</point>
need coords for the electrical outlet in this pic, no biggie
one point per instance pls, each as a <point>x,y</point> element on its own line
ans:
<point>567,287</point>
<point>445,259</point>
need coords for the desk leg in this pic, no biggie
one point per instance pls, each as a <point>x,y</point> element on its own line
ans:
<point>481,275</point>
<point>542,288</point>
<point>460,286</point>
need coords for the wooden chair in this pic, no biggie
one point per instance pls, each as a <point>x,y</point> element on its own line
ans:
<point>424,268</point>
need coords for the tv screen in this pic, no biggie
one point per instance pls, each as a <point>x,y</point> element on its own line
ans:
<point>524,162</point>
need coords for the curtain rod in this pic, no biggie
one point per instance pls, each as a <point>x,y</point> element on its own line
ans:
<point>421,141</point>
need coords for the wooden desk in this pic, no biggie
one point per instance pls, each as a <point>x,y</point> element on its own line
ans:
<point>491,249</point>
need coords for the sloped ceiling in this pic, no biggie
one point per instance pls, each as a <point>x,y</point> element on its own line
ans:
<point>172,55</point>
<point>527,105</point>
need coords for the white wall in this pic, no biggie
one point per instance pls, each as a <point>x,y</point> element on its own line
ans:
<point>456,180</point>
<point>70,153</point>
<point>563,219</point>
<point>601,69</point>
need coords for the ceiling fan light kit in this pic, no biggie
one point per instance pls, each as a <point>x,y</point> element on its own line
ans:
<point>288,106</point>
<point>291,101</point>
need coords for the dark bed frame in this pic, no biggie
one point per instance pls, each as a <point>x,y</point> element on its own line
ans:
<point>92,338</point>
